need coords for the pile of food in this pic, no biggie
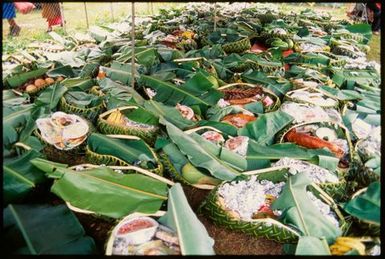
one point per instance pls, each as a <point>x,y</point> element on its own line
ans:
<point>273,117</point>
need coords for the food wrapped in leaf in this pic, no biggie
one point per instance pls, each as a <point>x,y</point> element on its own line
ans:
<point>333,183</point>
<point>312,96</point>
<point>129,120</point>
<point>245,205</point>
<point>246,95</point>
<point>231,41</point>
<point>122,150</point>
<point>302,112</point>
<point>63,131</point>
<point>315,135</point>
<point>87,105</point>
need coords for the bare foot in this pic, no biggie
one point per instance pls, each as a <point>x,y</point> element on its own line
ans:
<point>14,30</point>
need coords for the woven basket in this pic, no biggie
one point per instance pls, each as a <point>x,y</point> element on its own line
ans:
<point>238,46</point>
<point>147,134</point>
<point>89,113</point>
<point>93,157</point>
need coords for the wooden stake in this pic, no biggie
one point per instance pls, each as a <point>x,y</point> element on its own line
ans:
<point>112,12</point>
<point>85,10</point>
<point>132,45</point>
<point>62,16</point>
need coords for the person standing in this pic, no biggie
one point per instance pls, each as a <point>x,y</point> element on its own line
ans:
<point>51,11</point>
<point>9,13</point>
<point>376,24</point>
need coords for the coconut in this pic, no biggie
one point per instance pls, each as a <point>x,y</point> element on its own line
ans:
<point>186,111</point>
<point>49,81</point>
<point>59,79</point>
<point>39,83</point>
<point>213,136</point>
<point>30,88</point>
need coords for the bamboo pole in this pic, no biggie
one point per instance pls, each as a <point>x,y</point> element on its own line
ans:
<point>62,16</point>
<point>133,44</point>
<point>85,10</point>
<point>112,11</point>
<point>215,16</point>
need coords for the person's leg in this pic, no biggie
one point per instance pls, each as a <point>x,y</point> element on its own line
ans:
<point>9,13</point>
<point>376,25</point>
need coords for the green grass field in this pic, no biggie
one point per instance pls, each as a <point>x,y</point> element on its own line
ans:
<point>34,26</point>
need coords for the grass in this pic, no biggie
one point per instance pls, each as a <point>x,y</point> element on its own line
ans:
<point>34,26</point>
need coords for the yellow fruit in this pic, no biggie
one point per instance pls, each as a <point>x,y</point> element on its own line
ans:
<point>30,88</point>
<point>49,81</point>
<point>39,83</point>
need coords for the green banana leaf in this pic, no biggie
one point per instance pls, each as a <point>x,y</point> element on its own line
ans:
<point>257,152</point>
<point>264,128</point>
<point>14,118</point>
<point>197,155</point>
<point>65,71</point>
<point>342,95</point>
<point>141,115</point>
<point>11,99</point>
<point>279,86</point>
<point>43,229</point>
<point>120,72</point>
<point>51,96</point>
<point>20,79</point>
<point>131,151</point>
<point>196,91</point>
<point>171,114</point>
<point>362,28</point>
<point>104,191</point>
<point>230,158</point>
<point>78,83</point>
<point>67,58</point>
<point>20,177</point>
<point>299,210</point>
<point>308,245</point>
<point>193,236</point>
<point>216,113</point>
<point>143,55</point>
<point>118,95</point>
<point>366,206</point>
<point>82,99</point>
<point>225,128</point>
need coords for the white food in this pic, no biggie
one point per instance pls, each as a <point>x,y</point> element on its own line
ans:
<point>316,173</point>
<point>246,197</point>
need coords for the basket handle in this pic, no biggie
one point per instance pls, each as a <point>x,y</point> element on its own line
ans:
<point>203,127</point>
<point>22,145</point>
<point>203,186</point>
<point>234,84</point>
<point>119,108</point>
<point>265,170</point>
<point>180,60</point>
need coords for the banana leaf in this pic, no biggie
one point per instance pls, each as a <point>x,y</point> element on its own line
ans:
<point>171,114</point>
<point>20,79</point>
<point>342,95</point>
<point>225,128</point>
<point>230,158</point>
<point>131,151</point>
<point>262,154</point>
<point>67,58</point>
<point>308,245</point>
<point>192,234</point>
<point>43,229</point>
<point>20,177</point>
<point>279,86</point>
<point>14,118</point>
<point>196,91</point>
<point>141,115</point>
<point>120,72</point>
<point>366,206</point>
<point>78,83</point>
<point>51,96</point>
<point>65,71</point>
<point>362,28</point>
<point>143,55</point>
<point>299,210</point>
<point>197,155</point>
<point>11,99</point>
<point>119,95</point>
<point>82,99</point>
<point>104,191</point>
<point>264,128</point>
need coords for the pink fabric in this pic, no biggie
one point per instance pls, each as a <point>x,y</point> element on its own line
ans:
<point>54,21</point>
<point>24,7</point>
